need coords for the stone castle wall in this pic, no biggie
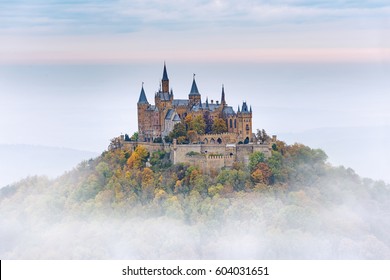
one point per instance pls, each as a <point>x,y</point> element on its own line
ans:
<point>206,156</point>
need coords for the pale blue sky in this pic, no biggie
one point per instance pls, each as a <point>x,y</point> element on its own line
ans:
<point>191,30</point>
<point>71,71</point>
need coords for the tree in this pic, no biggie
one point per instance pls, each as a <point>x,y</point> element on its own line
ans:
<point>208,121</point>
<point>262,173</point>
<point>198,124</point>
<point>254,159</point>
<point>192,136</point>
<point>262,136</point>
<point>138,158</point>
<point>134,137</point>
<point>219,126</point>
<point>178,130</point>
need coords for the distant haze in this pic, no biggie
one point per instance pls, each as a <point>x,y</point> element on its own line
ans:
<point>340,107</point>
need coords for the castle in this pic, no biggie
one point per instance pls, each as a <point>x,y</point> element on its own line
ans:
<point>209,150</point>
<point>157,121</point>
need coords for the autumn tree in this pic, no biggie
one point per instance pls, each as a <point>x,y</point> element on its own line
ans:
<point>254,159</point>
<point>262,136</point>
<point>208,121</point>
<point>262,173</point>
<point>197,124</point>
<point>134,137</point>
<point>138,158</point>
<point>219,126</point>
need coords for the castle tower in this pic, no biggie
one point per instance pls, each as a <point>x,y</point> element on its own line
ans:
<point>165,80</point>
<point>142,106</point>
<point>194,96</point>
<point>223,101</point>
<point>244,122</point>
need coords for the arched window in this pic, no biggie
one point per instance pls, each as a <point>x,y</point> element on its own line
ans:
<point>235,123</point>
<point>231,123</point>
<point>219,140</point>
<point>247,127</point>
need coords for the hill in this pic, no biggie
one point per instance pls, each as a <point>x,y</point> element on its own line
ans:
<point>293,205</point>
<point>19,161</point>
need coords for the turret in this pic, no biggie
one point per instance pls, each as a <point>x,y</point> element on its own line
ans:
<point>223,102</point>
<point>194,96</point>
<point>142,106</point>
<point>165,80</point>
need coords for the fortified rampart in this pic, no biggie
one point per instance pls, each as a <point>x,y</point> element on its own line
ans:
<point>206,156</point>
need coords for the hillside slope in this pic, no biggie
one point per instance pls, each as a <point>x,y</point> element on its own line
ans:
<point>293,205</point>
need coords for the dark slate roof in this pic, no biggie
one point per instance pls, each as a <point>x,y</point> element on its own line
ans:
<point>194,88</point>
<point>228,110</point>
<point>213,106</point>
<point>196,108</point>
<point>169,114</point>
<point>152,108</point>
<point>244,108</point>
<point>165,75</point>
<point>142,97</point>
<point>180,102</point>
<point>176,118</point>
<point>163,95</point>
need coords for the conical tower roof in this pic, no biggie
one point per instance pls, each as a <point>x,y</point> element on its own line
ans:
<point>165,74</point>
<point>142,97</point>
<point>194,88</point>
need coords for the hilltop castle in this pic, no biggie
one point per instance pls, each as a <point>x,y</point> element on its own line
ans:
<point>209,151</point>
<point>157,121</point>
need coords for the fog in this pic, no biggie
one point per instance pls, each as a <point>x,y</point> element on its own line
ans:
<point>333,220</point>
<point>339,107</point>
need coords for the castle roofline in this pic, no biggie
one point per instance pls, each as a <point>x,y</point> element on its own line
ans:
<point>142,97</point>
<point>194,88</point>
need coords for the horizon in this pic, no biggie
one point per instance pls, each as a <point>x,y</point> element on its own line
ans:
<point>71,72</point>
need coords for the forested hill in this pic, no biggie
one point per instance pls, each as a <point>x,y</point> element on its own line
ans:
<point>138,205</point>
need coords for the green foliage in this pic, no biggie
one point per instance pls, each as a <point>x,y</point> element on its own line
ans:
<point>255,158</point>
<point>219,126</point>
<point>134,137</point>
<point>160,160</point>
<point>192,153</point>
<point>179,131</point>
<point>197,124</point>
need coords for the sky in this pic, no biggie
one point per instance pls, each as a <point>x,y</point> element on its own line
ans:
<point>314,71</point>
<point>37,31</point>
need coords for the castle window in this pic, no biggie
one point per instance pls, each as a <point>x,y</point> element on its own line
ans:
<point>219,140</point>
<point>247,127</point>
<point>231,123</point>
<point>235,123</point>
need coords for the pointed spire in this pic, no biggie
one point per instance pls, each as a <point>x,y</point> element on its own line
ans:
<point>194,88</point>
<point>250,110</point>
<point>207,102</point>
<point>142,97</point>
<point>165,74</point>
<point>244,107</point>
<point>223,102</point>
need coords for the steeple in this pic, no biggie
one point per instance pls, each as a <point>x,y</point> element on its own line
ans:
<point>165,80</point>
<point>207,103</point>
<point>244,107</point>
<point>238,111</point>
<point>194,88</point>
<point>223,102</point>
<point>250,110</point>
<point>165,75</point>
<point>142,97</point>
